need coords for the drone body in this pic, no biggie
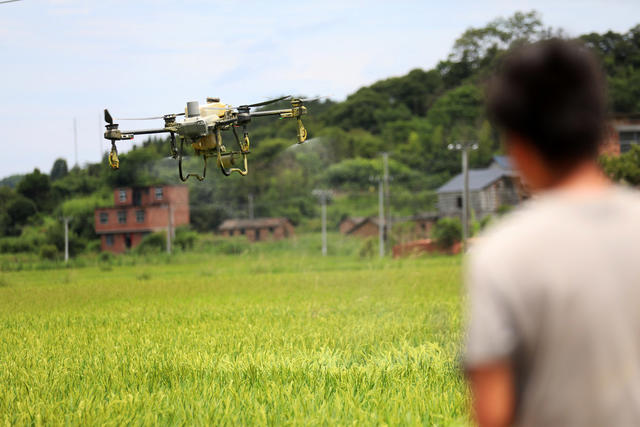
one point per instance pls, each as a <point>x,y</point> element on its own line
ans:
<point>202,127</point>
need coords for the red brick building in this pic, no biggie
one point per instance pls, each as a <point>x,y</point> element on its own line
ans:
<point>623,130</point>
<point>258,229</point>
<point>140,211</point>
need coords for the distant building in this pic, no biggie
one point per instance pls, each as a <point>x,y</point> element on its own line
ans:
<point>360,226</point>
<point>623,131</point>
<point>413,227</point>
<point>140,211</point>
<point>423,223</point>
<point>347,224</point>
<point>258,229</point>
<point>489,189</point>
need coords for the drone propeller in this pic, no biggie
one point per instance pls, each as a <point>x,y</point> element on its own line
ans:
<point>263,103</point>
<point>317,98</point>
<point>166,116</point>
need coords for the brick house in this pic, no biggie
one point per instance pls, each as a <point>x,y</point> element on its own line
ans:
<point>410,227</point>
<point>138,212</point>
<point>360,226</point>
<point>623,130</point>
<point>347,224</point>
<point>258,229</point>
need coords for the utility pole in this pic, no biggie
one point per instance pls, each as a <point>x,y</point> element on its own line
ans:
<point>323,196</point>
<point>75,138</point>
<point>250,205</point>
<point>464,147</point>
<point>169,227</point>
<point>66,220</point>
<point>381,221</point>
<point>385,169</point>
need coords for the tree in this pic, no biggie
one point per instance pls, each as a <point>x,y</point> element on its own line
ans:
<point>59,169</point>
<point>18,213</point>
<point>36,186</point>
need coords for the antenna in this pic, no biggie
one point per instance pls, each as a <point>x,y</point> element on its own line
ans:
<point>75,138</point>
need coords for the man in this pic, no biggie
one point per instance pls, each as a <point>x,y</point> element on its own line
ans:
<point>554,290</point>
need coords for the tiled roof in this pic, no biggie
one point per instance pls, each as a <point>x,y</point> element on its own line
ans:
<point>233,224</point>
<point>478,179</point>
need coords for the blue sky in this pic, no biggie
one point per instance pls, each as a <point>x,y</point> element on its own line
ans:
<point>63,59</point>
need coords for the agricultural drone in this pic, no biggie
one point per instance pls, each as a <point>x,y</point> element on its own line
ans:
<point>202,127</point>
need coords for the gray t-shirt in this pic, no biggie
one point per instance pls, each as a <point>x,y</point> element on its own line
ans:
<point>555,289</point>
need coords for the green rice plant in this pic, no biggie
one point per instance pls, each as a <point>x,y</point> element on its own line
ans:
<point>212,339</point>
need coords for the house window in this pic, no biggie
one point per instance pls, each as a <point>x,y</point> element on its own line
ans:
<point>627,139</point>
<point>242,231</point>
<point>123,196</point>
<point>140,216</point>
<point>459,202</point>
<point>122,217</point>
<point>158,193</point>
<point>104,217</point>
<point>109,239</point>
<point>257,234</point>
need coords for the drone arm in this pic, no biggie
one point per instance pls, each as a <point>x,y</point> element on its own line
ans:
<point>295,112</point>
<point>145,131</point>
<point>271,113</point>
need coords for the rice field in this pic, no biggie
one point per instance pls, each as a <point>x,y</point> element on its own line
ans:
<point>234,340</point>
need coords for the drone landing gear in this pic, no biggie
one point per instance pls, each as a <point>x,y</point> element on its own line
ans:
<point>226,160</point>
<point>189,175</point>
<point>114,162</point>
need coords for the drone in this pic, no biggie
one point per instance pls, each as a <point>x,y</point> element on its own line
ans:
<point>202,127</point>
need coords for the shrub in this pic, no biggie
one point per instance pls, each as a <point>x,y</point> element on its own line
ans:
<point>15,245</point>
<point>185,239</point>
<point>106,257</point>
<point>94,246</point>
<point>369,248</point>
<point>230,245</point>
<point>49,252</point>
<point>447,232</point>
<point>152,243</point>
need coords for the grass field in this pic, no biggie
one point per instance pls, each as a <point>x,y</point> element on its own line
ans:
<point>244,339</point>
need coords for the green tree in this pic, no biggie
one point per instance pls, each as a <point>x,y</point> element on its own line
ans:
<point>19,211</point>
<point>59,169</point>
<point>36,186</point>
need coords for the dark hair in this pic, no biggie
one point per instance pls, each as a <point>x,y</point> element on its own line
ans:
<point>553,94</point>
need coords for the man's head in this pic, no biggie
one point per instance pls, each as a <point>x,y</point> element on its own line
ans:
<point>549,101</point>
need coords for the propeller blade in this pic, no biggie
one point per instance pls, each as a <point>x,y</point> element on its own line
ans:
<point>107,117</point>
<point>317,98</point>
<point>152,118</point>
<point>139,118</point>
<point>271,101</point>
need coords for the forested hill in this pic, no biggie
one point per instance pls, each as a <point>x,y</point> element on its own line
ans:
<point>413,117</point>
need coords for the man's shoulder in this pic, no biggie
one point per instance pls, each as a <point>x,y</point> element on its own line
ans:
<point>550,218</point>
<point>510,231</point>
